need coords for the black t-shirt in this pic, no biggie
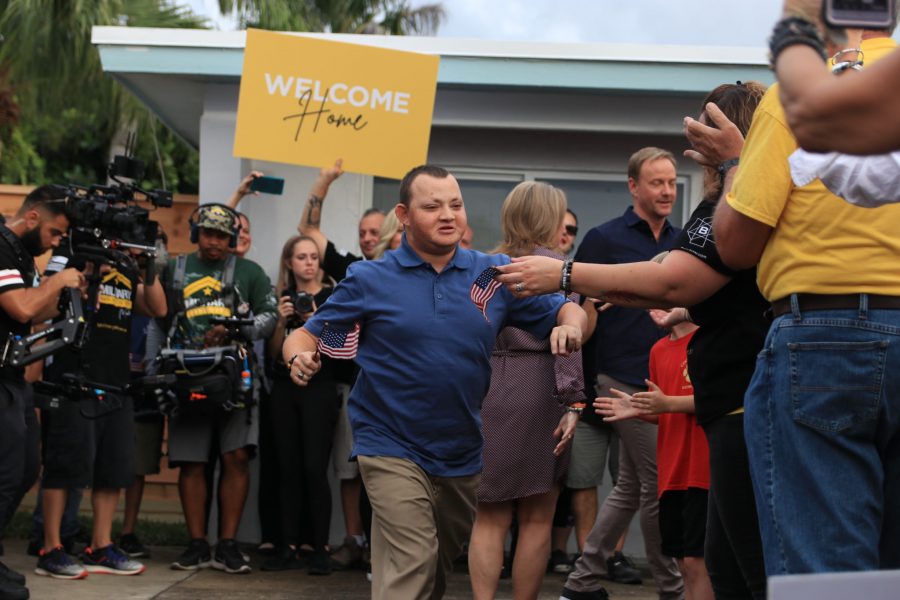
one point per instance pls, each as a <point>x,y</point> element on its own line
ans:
<point>105,356</point>
<point>335,264</point>
<point>733,326</point>
<point>16,272</point>
<point>329,365</point>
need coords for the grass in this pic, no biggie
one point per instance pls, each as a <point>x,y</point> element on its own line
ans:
<point>152,533</point>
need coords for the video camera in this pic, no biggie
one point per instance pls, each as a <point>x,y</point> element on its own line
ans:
<point>107,216</point>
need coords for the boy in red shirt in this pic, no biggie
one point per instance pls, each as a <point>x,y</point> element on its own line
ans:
<point>682,454</point>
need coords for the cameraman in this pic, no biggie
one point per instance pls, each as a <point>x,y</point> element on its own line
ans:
<point>89,441</point>
<point>39,225</point>
<point>191,436</point>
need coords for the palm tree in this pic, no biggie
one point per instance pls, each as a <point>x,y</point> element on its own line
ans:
<point>392,17</point>
<point>71,111</point>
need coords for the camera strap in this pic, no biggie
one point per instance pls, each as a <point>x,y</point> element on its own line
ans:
<point>26,266</point>
<point>178,287</point>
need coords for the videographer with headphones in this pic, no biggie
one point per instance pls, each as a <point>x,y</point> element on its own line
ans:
<point>208,284</point>
<point>39,225</point>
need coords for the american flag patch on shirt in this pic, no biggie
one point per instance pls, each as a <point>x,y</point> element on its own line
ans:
<point>483,289</point>
<point>10,277</point>
<point>338,343</point>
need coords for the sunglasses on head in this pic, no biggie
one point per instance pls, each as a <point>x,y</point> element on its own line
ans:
<point>572,230</point>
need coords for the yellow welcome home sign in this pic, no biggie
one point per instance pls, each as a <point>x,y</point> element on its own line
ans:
<point>308,101</point>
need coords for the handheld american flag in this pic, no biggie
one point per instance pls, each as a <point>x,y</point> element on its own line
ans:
<point>338,343</point>
<point>483,289</point>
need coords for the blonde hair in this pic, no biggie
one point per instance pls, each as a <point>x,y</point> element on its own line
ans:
<point>389,229</point>
<point>532,215</point>
<point>647,155</point>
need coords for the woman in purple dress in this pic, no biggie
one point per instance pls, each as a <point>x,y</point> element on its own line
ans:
<point>528,418</point>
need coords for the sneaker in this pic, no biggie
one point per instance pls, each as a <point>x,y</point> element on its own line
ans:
<point>559,562</point>
<point>8,574</point>
<point>348,555</point>
<point>621,570</point>
<point>319,563</point>
<point>568,594</point>
<point>59,565</point>
<point>267,549</point>
<point>229,558</point>
<point>132,546</point>
<point>284,560</point>
<point>10,590</point>
<point>195,557</point>
<point>110,560</point>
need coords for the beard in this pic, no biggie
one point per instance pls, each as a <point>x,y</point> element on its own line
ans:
<point>31,241</point>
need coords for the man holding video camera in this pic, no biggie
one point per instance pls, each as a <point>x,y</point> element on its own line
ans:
<point>38,225</point>
<point>88,441</point>
<point>213,284</point>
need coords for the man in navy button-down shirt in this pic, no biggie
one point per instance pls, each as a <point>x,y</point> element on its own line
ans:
<point>424,351</point>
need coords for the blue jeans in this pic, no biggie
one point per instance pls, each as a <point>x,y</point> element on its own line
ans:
<point>822,427</point>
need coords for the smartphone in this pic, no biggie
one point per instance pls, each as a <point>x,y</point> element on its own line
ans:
<point>863,14</point>
<point>267,185</point>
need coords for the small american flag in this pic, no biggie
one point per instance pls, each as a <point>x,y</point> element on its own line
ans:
<point>339,344</point>
<point>483,289</point>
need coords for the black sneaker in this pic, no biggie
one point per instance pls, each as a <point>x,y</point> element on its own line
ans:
<point>195,557</point>
<point>8,574</point>
<point>568,594</point>
<point>132,546</point>
<point>59,565</point>
<point>229,558</point>
<point>620,570</point>
<point>283,560</point>
<point>559,562</point>
<point>110,560</point>
<point>319,563</point>
<point>12,591</point>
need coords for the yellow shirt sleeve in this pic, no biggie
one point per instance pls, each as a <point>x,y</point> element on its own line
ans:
<point>763,182</point>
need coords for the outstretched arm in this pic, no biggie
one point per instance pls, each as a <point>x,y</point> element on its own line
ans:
<point>312,210</point>
<point>243,189</point>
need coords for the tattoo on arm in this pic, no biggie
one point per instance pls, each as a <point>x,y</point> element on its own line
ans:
<point>313,210</point>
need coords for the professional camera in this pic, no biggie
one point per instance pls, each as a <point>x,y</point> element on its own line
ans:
<point>107,216</point>
<point>303,302</point>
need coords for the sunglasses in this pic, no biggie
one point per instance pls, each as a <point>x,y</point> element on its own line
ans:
<point>572,230</point>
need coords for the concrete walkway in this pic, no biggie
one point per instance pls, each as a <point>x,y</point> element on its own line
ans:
<point>160,582</point>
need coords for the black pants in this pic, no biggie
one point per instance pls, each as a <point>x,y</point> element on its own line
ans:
<point>733,552</point>
<point>269,501</point>
<point>19,435</point>
<point>303,421</point>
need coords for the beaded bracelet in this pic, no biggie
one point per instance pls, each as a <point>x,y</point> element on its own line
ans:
<point>793,31</point>
<point>565,279</point>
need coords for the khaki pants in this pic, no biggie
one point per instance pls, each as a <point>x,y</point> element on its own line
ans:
<point>419,525</point>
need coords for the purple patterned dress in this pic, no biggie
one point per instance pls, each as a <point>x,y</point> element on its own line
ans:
<point>529,391</point>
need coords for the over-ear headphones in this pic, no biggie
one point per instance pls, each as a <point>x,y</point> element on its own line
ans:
<point>215,214</point>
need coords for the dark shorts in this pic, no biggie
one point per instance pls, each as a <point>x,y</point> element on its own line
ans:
<point>87,452</point>
<point>148,437</point>
<point>682,522</point>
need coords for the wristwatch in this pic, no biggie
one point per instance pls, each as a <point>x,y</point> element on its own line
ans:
<point>727,165</point>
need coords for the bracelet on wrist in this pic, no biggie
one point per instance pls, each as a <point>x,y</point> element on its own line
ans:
<point>727,165</point>
<point>794,31</point>
<point>565,278</point>
<point>575,407</point>
<point>290,363</point>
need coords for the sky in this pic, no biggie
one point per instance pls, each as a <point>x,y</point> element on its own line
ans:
<point>679,22</point>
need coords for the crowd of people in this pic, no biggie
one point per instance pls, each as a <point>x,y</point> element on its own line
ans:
<point>734,375</point>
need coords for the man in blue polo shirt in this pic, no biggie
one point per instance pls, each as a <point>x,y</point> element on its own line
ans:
<point>424,318</point>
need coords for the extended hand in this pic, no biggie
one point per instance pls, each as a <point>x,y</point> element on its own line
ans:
<point>651,402</point>
<point>531,275</point>
<point>617,408</point>
<point>244,187</point>
<point>327,175</point>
